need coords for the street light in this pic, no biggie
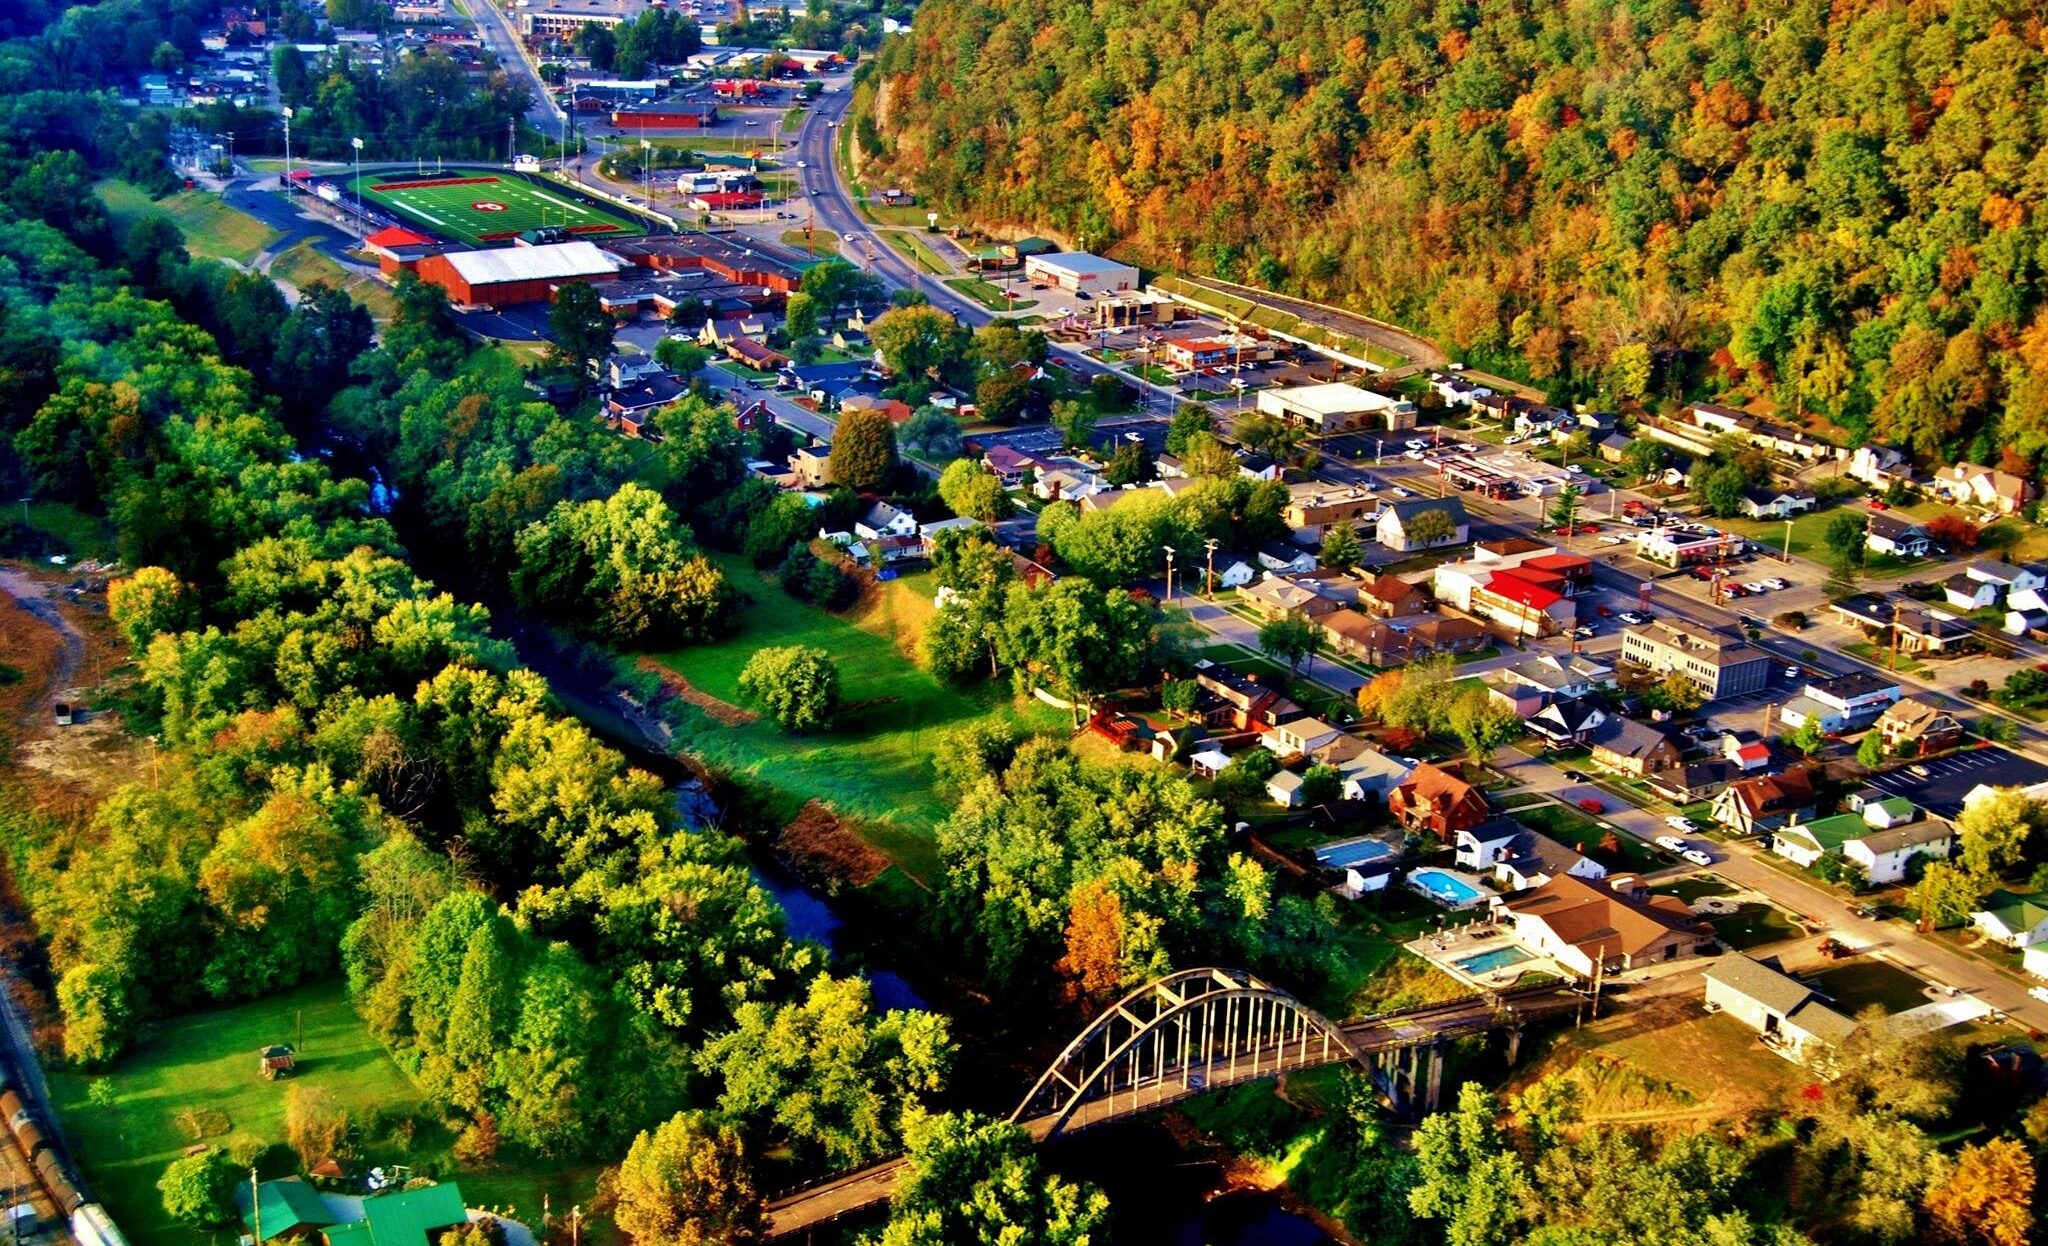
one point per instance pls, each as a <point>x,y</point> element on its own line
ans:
<point>647,169</point>
<point>357,144</point>
<point>286,110</point>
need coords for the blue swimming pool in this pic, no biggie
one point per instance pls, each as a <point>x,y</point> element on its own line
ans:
<point>1498,958</point>
<point>1444,888</point>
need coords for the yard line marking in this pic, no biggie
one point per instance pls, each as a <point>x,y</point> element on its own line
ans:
<point>563,202</point>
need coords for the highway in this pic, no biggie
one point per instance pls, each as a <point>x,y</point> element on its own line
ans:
<point>498,35</point>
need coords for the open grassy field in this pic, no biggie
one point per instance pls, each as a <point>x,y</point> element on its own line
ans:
<point>478,206</point>
<point>914,249</point>
<point>212,229</point>
<point>194,1080</point>
<point>303,265</point>
<point>876,767</point>
<point>1754,925</point>
<point>989,294</point>
<point>1861,983</point>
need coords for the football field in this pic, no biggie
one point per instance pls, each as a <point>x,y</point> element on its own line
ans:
<point>478,206</point>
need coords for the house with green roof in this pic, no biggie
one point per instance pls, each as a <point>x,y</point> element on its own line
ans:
<point>1807,842</point>
<point>2015,919</point>
<point>294,1211</point>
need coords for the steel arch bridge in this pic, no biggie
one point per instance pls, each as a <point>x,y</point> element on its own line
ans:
<point>1192,1031</point>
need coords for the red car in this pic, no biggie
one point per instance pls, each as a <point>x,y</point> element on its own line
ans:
<point>1879,504</point>
<point>1591,805</point>
<point>1603,612</point>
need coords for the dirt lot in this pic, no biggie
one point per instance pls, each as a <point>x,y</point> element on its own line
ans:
<point>52,644</point>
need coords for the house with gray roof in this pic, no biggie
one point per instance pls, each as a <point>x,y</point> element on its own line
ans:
<point>1794,1019</point>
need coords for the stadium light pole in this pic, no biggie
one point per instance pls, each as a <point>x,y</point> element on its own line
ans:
<point>287,111</point>
<point>647,169</point>
<point>357,144</point>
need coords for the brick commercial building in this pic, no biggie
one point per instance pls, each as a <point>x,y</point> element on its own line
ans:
<point>509,276</point>
<point>660,115</point>
<point>1721,665</point>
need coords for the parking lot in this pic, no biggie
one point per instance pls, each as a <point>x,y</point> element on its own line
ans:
<point>1939,784</point>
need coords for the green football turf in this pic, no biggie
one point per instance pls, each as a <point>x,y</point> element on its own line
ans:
<point>446,204</point>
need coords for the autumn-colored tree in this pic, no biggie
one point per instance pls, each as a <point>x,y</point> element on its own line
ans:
<point>315,1123</point>
<point>863,449</point>
<point>1095,941</point>
<point>1381,689</point>
<point>1987,1199</point>
<point>1954,531</point>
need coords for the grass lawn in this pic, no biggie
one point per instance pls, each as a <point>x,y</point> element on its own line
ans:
<point>303,265</point>
<point>212,229</point>
<point>481,206</point>
<point>1882,656</point>
<point>1859,984</point>
<point>1715,1061</point>
<point>988,294</point>
<point>82,535</point>
<point>1754,925</point>
<point>817,243</point>
<point>194,1079</point>
<point>1575,829</point>
<point>1697,887</point>
<point>876,769</point>
<point>1808,532</point>
<point>914,248</point>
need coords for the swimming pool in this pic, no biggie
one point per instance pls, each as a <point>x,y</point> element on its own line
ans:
<point>1444,888</point>
<point>1498,958</point>
<point>1350,852</point>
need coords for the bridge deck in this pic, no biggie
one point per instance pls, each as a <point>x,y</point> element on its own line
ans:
<point>873,1185</point>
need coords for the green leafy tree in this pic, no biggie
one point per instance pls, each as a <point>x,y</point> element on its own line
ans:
<point>800,316</point>
<point>2001,831</point>
<point>1564,512</point>
<point>198,1190</point>
<point>687,1182</point>
<point>827,1073</point>
<point>1075,423</point>
<point>1291,639</point>
<point>580,326</point>
<point>1870,750</point>
<point>1081,640</point>
<point>1430,528</point>
<point>1645,457</point>
<point>1946,895</point>
<point>680,357</point>
<point>1341,547</point>
<point>1809,739</point>
<point>917,342</point>
<point>972,1179</point>
<point>931,433</point>
<point>1483,724</point>
<point>972,491</point>
<point>1005,396</point>
<point>1721,492</point>
<point>624,565</point>
<point>1321,784</point>
<point>798,684</point>
<point>1844,537</point>
<point>863,450</point>
<point>1188,419</point>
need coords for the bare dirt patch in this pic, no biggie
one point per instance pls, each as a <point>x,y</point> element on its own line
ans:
<point>817,842</point>
<point>674,685</point>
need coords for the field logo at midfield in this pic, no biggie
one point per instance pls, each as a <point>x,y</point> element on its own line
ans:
<point>487,205</point>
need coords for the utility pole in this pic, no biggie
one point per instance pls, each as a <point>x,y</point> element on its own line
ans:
<point>1898,609</point>
<point>1169,571</point>
<point>256,1204</point>
<point>511,140</point>
<point>1788,538</point>
<point>1209,583</point>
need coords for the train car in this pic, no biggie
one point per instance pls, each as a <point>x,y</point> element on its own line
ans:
<point>58,1183</point>
<point>11,1106</point>
<point>28,1134</point>
<point>92,1226</point>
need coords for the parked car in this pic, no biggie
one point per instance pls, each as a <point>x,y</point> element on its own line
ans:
<point>1679,822</point>
<point>1575,776</point>
<point>1697,856</point>
<point>1879,504</point>
<point>1590,804</point>
<point>1634,616</point>
<point>1775,584</point>
<point>1603,612</point>
<point>1791,672</point>
<point>1670,843</point>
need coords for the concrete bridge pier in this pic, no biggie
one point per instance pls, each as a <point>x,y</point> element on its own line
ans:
<point>1514,1045</point>
<point>1436,1077</point>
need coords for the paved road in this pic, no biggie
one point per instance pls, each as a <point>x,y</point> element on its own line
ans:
<point>497,33</point>
<point>1388,337</point>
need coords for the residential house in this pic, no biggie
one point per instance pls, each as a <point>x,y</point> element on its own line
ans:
<point>1613,447</point>
<point>1692,781</point>
<point>1791,1016</point>
<point>1276,597</point>
<point>1067,482</point>
<point>1234,572</point>
<point>1258,466</point>
<point>1011,466</point>
<point>1765,803</point>
<point>897,411</point>
<point>1563,674</point>
<point>1915,728</point>
<point>2008,578</point>
<point>1974,485</point>
<point>1746,751</point>
<point>1632,748</point>
<point>1457,390</point>
<point>1720,665</point>
<point>1514,695</point>
<point>1386,596</point>
<point>1931,631</point>
<point>1240,700</point>
<point>1372,774</point>
<point>1284,789</point>
<point>1391,642</point>
<point>1770,502</point>
<point>1534,860</point>
<point>812,465</point>
<point>1805,843</point>
<point>1883,853</point>
<point>1300,736</point>
<point>1901,538</point>
<point>2026,622</point>
<point>881,520</point>
<point>1841,703</point>
<point>929,533</point>
<point>2013,919</point>
<point>1398,517</point>
<point>1479,847</point>
<point>1282,557</point>
<point>289,1209</point>
<point>1436,802</point>
<point>1314,507</point>
<point>1966,593</point>
<point>1586,926</point>
<point>756,355</point>
<point>1567,721</point>
<point>1880,466</point>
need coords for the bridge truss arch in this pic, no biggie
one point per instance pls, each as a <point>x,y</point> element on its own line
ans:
<point>1196,1030</point>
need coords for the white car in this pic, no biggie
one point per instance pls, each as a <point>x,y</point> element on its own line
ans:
<point>1670,843</point>
<point>851,238</point>
<point>1697,856</point>
<point>1775,584</point>
<point>1412,454</point>
<point>1614,540</point>
<point>1679,822</point>
<point>1756,586</point>
<point>801,165</point>
<point>1399,492</point>
<point>1515,440</point>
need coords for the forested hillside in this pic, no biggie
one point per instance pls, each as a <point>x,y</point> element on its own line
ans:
<point>1835,205</point>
